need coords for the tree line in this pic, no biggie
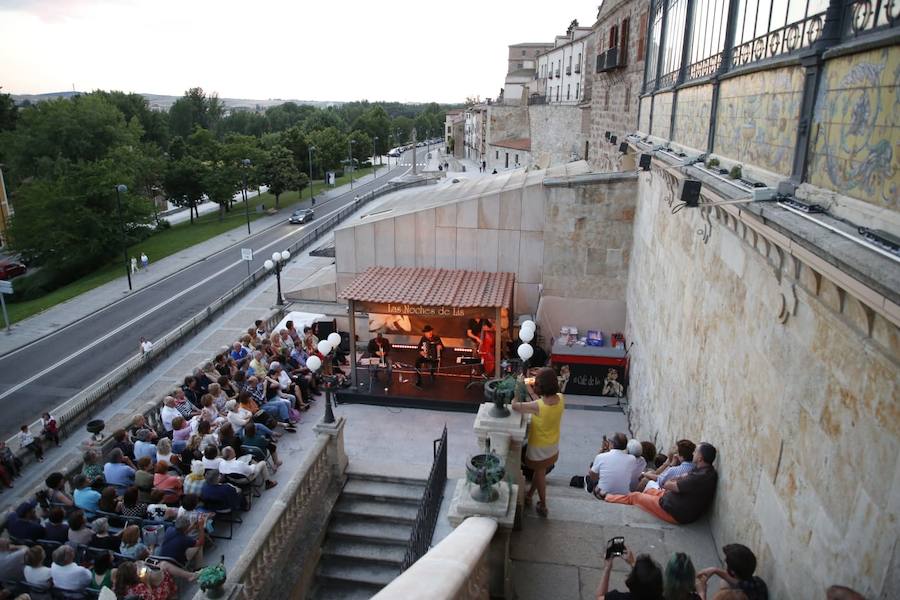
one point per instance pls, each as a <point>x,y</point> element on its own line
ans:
<point>63,158</point>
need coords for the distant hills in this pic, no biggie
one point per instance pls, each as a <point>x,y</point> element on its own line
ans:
<point>164,102</point>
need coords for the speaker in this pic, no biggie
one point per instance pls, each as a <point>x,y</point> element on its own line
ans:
<point>606,135</point>
<point>644,162</point>
<point>323,328</point>
<point>613,139</point>
<point>690,192</point>
<point>623,147</point>
<point>345,341</point>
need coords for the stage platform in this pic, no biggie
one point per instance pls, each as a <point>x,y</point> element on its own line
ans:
<point>446,392</point>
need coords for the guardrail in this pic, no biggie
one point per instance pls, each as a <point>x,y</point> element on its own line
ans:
<point>429,506</point>
<point>72,413</point>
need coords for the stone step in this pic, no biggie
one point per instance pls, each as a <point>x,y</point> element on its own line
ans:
<point>352,571</point>
<point>384,490</point>
<point>375,510</point>
<point>364,529</point>
<point>356,475</point>
<point>338,590</point>
<point>390,553</point>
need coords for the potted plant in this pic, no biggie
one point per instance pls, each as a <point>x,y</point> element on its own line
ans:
<point>712,163</point>
<point>485,471</point>
<point>212,579</point>
<point>735,172</point>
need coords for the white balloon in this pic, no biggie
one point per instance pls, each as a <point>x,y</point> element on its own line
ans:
<point>334,338</point>
<point>313,363</point>
<point>324,347</point>
<point>529,325</point>
<point>525,351</point>
<point>526,335</point>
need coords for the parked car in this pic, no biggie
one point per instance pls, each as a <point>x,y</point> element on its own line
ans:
<point>301,216</point>
<point>11,268</point>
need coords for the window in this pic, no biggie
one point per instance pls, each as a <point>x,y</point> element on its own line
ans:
<point>496,154</point>
<point>708,39</point>
<point>653,49</point>
<point>557,93</point>
<point>524,53</point>
<point>606,100</point>
<point>623,40</point>
<point>627,98</point>
<point>517,159</point>
<point>519,65</point>
<point>642,36</point>
<point>577,89</point>
<point>613,36</point>
<point>568,91</point>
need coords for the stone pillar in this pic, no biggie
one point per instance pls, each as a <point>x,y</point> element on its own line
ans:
<point>491,433</point>
<point>337,456</point>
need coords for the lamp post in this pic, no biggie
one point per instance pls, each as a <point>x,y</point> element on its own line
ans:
<point>390,147</point>
<point>245,165</point>
<point>121,189</point>
<point>277,262</point>
<point>312,200</point>
<point>350,144</point>
<point>374,166</point>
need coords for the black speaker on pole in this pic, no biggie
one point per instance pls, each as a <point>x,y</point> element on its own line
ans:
<point>613,139</point>
<point>606,135</point>
<point>690,192</point>
<point>644,162</point>
<point>623,147</point>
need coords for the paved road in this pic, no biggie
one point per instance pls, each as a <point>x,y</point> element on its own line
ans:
<point>48,372</point>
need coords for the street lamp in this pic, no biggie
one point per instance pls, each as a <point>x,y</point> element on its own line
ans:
<point>350,144</point>
<point>277,262</point>
<point>245,166</point>
<point>374,166</point>
<point>121,189</point>
<point>390,147</point>
<point>312,200</point>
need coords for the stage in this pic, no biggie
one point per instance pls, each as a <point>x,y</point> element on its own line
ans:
<point>446,392</point>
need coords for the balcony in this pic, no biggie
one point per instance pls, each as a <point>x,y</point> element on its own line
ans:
<point>611,59</point>
<point>557,73</point>
<point>537,99</point>
<point>569,70</point>
<point>578,68</point>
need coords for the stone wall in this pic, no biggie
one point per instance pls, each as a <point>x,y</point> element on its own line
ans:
<point>757,118</point>
<point>856,129</point>
<point>555,134</point>
<point>740,342</point>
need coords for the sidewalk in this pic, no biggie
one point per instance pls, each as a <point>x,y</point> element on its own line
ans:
<point>66,313</point>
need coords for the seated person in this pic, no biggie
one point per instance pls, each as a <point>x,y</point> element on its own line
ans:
<point>239,354</point>
<point>644,581</point>
<point>611,471</point>
<point>679,462</point>
<point>93,466</point>
<point>193,481</point>
<point>56,485</point>
<point>143,446</point>
<point>143,478</point>
<point>211,458</point>
<point>123,442</point>
<point>56,528</point>
<point>158,510</point>
<point>131,544</point>
<point>139,422</point>
<point>24,523</point>
<point>86,498</point>
<point>635,449</point>
<point>380,347</point>
<point>131,506</point>
<point>164,453</point>
<point>35,571</point>
<point>682,500</point>
<point>218,495</point>
<point>182,547</point>
<point>109,500</point>
<point>116,473</point>
<point>255,439</point>
<point>102,538</point>
<point>66,575</point>
<point>12,560</point>
<point>740,564</point>
<point>79,532</point>
<point>257,472</point>
<point>168,483</point>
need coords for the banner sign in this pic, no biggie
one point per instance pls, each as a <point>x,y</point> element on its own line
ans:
<point>420,310</point>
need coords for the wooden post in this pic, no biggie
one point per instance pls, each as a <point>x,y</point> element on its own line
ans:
<point>353,379</point>
<point>498,331</point>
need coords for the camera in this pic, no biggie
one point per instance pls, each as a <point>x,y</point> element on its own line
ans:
<point>529,380</point>
<point>615,547</point>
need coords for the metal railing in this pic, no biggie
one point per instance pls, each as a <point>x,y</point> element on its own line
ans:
<point>429,505</point>
<point>863,16</point>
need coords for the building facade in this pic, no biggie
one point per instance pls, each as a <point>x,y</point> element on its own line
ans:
<point>560,70</point>
<point>524,55</point>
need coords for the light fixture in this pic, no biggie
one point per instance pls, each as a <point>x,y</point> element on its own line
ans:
<point>613,139</point>
<point>623,147</point>
<point>644,162</point>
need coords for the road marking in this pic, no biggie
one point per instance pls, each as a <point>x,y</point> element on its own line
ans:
<point>128,324</point>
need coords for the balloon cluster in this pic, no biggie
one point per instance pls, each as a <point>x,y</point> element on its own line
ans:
<point>526,334</point>
<point>314,363</point>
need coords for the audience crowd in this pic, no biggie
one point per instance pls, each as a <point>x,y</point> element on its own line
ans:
<point>140,518</point>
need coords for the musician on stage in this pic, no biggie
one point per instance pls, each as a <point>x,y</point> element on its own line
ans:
<point>380,347</point>
<point>430,348</point>
<point>475,330</point>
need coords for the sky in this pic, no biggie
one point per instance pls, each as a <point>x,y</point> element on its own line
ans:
<point>404,50</point>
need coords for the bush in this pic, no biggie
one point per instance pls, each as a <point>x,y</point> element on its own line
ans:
<point>735,172</point>
<point>163,225</point>
<point>37,283</point>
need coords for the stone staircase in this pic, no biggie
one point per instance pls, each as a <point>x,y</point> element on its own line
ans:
<point>366,539</point>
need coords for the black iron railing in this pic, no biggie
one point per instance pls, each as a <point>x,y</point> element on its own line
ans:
<point>863,16</point>
<point>790,38</point>
<point>429,505</point>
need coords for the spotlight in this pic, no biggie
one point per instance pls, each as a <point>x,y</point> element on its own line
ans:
<point>606,135</point>
<point>690,193</point>
<point>623,147</point>
<point>613,139</point>
<point>644,162</point>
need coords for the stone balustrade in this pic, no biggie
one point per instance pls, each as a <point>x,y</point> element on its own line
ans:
<point>455,569</point>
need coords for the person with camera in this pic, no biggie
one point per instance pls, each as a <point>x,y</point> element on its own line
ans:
<point>611,471</point>
<point>738,574</point>
<point>546,406</point>
<point>644,582</point>
<point>680,461</point>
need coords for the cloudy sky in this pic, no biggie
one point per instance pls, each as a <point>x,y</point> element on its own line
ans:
<point>406,50</point>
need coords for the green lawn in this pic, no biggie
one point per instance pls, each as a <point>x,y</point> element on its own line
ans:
<point>168,242</point>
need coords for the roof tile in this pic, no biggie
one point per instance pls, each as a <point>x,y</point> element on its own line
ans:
<point>432,287</point>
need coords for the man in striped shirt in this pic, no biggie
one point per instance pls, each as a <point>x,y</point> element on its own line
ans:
<point>677,464</point>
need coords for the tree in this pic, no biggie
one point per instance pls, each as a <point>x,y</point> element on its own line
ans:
<point>402,127</point>
<point>280,173</point>
<point>376,123</point>
<point>362,149</point>
<point>183,182</point>
<point>236,148</point>
<point>221,181</point>
<point>149,169</point>
<point>8,112</point>
<point>78,206</point>
<point>195,109</point>
<point>155,124</point>
<point>331,147</point>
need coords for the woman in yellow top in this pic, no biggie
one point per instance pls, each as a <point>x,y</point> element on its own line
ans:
<point>546,407</point>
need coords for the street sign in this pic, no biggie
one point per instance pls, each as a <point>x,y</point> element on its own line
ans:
<point>6,287</point>
<point>246,253</point>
